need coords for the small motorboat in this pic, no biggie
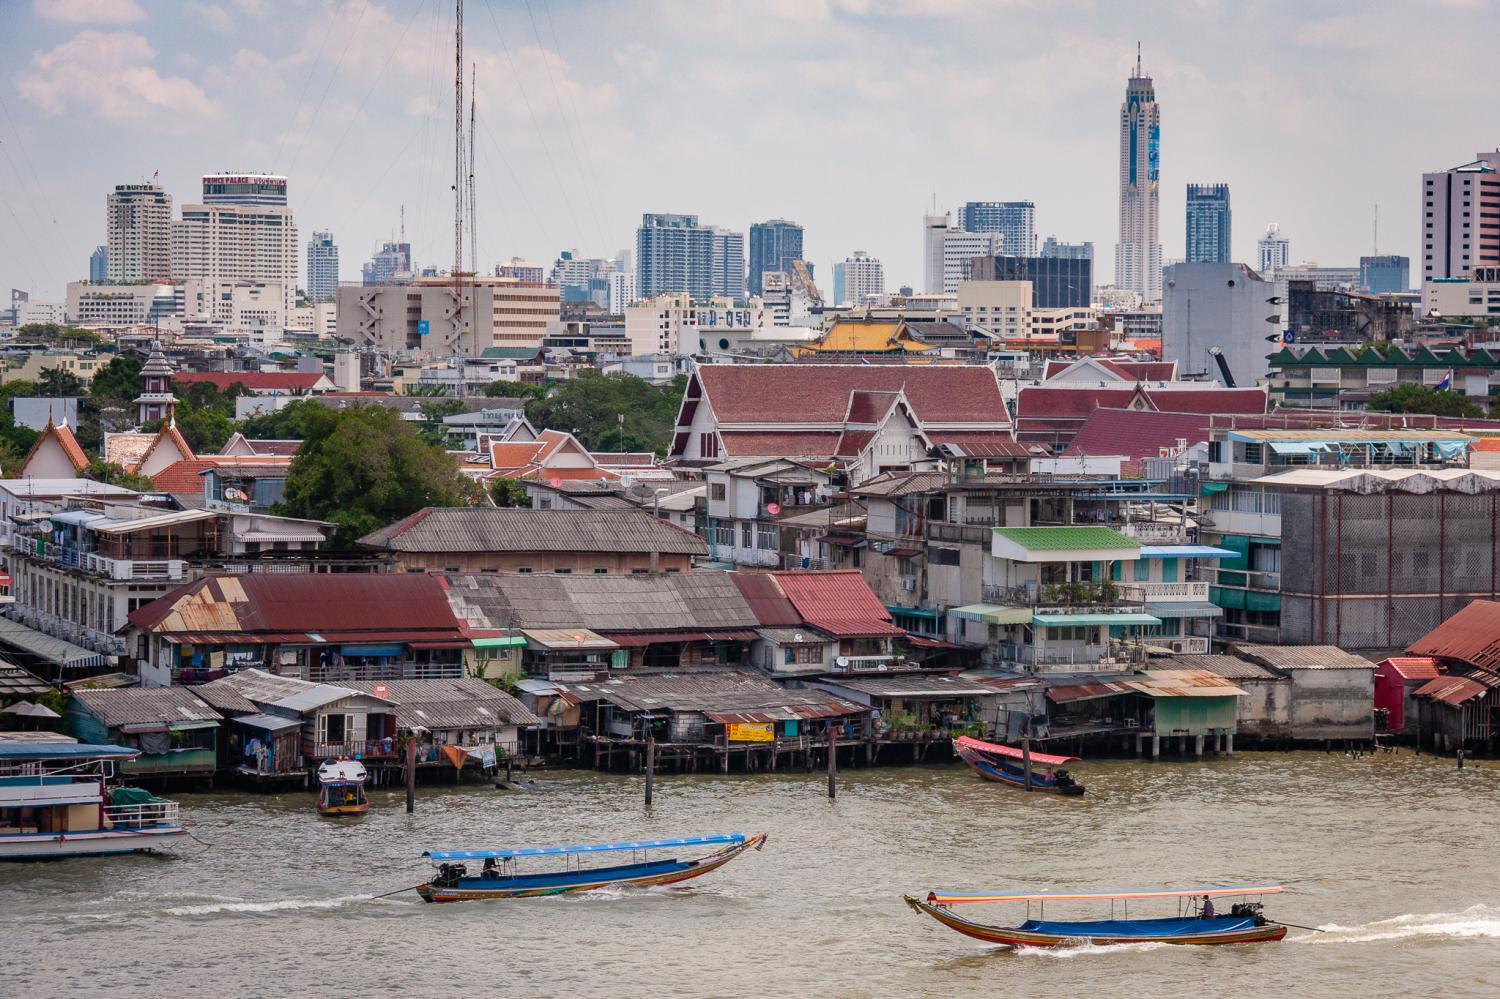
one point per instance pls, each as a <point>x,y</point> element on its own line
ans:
<point>1007,765</point>
<point>1244,923</point>
<point>500,878</point>
<point>341,788</point>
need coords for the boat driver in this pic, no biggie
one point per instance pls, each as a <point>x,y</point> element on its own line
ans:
<point>1208,908</point>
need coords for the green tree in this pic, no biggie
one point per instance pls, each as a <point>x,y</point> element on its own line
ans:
<point>433,431</point>
<point>615,412</point>
<point>295,421</point>
<point>503,389</point>
<point>509,492</point>
<point>57,383</point>
<point>366,468</point>
<point>1422,399</point>
<point>112,474</point>
<point>117,383</point>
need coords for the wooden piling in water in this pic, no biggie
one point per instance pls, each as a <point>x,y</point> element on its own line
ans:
<point>833,762</point>
<point>411,774</point>
<point>650,768</point>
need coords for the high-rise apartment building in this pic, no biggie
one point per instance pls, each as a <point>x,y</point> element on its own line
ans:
<point>244,233</point>
<point>322,267</point>
<point>858,280</point>
<point>960,251</point>
<point>621,291</point>
<point>675,254</point>
<point>1384,273</point>
<point>1138,253</point>
<point>934,229</point>
<point>1056,282</point>
<point>1461,218</point>
<point>1273,250</point>
<point>1208,224</point>
<point>391,264</point>
<point>773,247</point>
<point>99,264</point>
<point>139,224</point>
<point>1013,220</point>
<point>1067,251</point>
<point>523,271</point>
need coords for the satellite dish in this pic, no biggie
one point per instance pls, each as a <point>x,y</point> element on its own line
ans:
<point>555,482</point>
<point>773,508</point>
<point>45,526</point>
<point>842,662</point>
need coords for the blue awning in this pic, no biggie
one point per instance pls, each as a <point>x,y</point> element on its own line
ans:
<point>1185,551</point>
<point>1185,608</point>
<point>1064,620</point>
<point>64,751</point>
<point>375,651</point>
<point>555,851</point>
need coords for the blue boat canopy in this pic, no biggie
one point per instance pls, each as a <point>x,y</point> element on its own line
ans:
<point>64,751</point>
<point>556,851</point>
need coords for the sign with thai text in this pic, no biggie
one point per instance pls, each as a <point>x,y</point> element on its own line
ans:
<point>751,731</point>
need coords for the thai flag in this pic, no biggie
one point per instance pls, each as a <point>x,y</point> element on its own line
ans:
<point>1446,383</point>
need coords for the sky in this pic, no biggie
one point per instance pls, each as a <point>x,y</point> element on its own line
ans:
<point>847,116</point>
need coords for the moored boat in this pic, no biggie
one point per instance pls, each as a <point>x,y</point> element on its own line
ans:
<point>56,800</point>
<point>1244,923</point>
<point>501,878</point>
<point>1007,765</point>
<point>341,788</point>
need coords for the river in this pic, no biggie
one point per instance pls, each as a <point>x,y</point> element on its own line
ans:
<point>1394,854</point>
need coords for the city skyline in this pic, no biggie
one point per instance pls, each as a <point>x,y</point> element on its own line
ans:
<point>193,88</point>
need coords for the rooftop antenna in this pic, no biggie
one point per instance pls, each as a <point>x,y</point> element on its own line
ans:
<point>473,193</point>
<point>1137,59</point>
<point>458,171</point>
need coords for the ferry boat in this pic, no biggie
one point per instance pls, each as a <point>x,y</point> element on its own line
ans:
<point>341,788</point>
<point>500,878</point>
<point>1193,923</point>
<point>56,800</point>
<point>1006,765</point>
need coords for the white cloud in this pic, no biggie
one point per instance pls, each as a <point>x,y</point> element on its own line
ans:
<point>109,74</point>
<point>89,11</point>
<point>212,16</point>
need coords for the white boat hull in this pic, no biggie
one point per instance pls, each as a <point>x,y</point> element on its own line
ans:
<point>50,846</point>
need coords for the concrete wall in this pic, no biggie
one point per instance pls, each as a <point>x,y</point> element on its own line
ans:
<point>1333,703</point>
<point>1217,305</point>
<point>1265,712</point>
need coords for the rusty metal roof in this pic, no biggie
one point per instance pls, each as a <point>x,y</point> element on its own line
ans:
<point>766,601</point>
<point>731,695</point>
<point>1471,636</point>
<point>1152,683</point>
<point>909,685</point>
<point>1412,667</point>
<point>838,602</point>
<point>1457,691</point>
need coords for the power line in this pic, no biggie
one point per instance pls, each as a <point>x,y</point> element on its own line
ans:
<point>587,162</point>
<point>329,85</point>
<point>333,16</point>
<point>37,197</point>
<point>563,117</point>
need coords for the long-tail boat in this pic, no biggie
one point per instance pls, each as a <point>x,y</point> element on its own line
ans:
<point>1196,922</point>
<point>341,788</point>
<point>500,878</point>
<point>1006,765</point>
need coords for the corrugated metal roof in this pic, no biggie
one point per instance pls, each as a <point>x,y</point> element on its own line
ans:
<point>678,601</point>
<point>839,602</point>
<point>727,693</point>
<point>1232,667</point>
<point>255,686</point>
<point>1411,667</point>
<point>1459,690</point>
<point>271,723</point>
<point>466,703</point>
<point>320,695</point>
<point>1304,657</point>
<point>1471,636</point>
<point>766,601</point>
<point>1054,539</point>
<point>145,706</point>
<point>225,697</point>
<point>911,685</point>
<point>568,638</point>
<point>518,529</point>
<point>1152,683</point>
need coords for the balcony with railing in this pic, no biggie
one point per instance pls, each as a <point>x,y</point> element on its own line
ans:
<point>151,815</point>
<point>384,669</point>
<point>69,557</point>
<point>363,749</point>
<point>1154,532</point>
<point>71,631</point>
<point>1061,595</point>
<point>1193,591</point>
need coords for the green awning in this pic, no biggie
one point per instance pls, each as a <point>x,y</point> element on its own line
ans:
<point>1064,620</point>
<point>930,615</point>
<point>503,642</point>
<point>1185,608</point>
<point>1209,488</point>
<point>991,614</point>
<point>1262,601</point>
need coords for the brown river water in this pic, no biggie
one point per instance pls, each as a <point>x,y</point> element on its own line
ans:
<point>1395,856</point>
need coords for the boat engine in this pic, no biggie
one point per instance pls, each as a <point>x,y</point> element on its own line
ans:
<point>1248,910</point>
<point>450,874</point>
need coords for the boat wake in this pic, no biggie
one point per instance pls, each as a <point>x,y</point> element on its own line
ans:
<point>1476,922</point>
<point>1086,949</point>
<point>241,906</point>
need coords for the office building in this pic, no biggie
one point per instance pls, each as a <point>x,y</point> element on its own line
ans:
<point>1208,223</point>
<point>138,220</point>
<point>1067,251</point>
<point>1138,252</point>
<point>1002,308</point>
<point>677,325</point>
<point>1385,273</point>
<point>99,264</point>
<point>1013,220</point>
<point>523,271</point>
<point>858,280</point>
<point>621,291</point>
<point>1461,218</point>
<point>934,228</point>
<point>1056,282</point>
<point>961,251</point>
<point>1212,310</point>
<point>676,254</point>
<point>1273,250</point>
<point>391,264</point>
<point>430,316</point>
<point>243,234</point>
<point>91,304</point>
<point>322,267</point>
<point>773,247</point>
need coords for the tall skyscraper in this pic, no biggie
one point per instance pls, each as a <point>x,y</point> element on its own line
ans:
<point>1067,251</point>
<point>99,264</point>
<point>1014,220</point>
<point>858,279</point>
<point>773,247</point>
<point>322,267</point>
<point>1459,207</point>
<point>243,231</point>
<point>1138,253</point>
<point>934,228</point>
<point>1208,224</point>
<point>139,223</point>
<point>675,254</point>
<point>1274,250</point>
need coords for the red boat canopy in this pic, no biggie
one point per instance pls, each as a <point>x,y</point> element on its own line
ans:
<point>1015,754</point>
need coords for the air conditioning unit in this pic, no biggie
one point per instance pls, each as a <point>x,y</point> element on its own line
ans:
<point>909,585</point>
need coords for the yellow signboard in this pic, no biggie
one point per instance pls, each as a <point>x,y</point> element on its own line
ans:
<point>756,732</point>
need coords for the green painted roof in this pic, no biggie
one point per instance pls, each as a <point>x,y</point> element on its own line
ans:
<point>1056,539</point>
